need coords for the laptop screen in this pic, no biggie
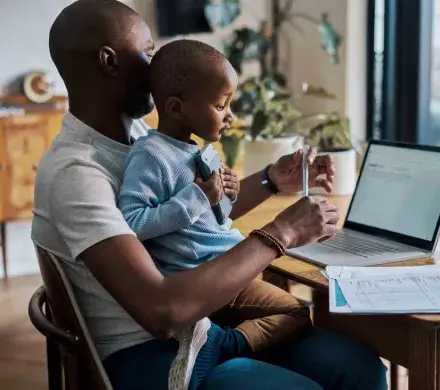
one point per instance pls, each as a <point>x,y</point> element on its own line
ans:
<point>399,192</point>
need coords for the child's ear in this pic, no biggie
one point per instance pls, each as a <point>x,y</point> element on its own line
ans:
<point>174,108</point>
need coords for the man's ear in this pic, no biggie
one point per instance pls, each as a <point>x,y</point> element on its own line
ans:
<point>108,61</point>
<point>174,108</point>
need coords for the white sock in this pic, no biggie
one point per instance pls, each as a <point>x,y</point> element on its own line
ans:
<point>191,341</point>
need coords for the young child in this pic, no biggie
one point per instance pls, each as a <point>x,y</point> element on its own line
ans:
<point>169,208</point>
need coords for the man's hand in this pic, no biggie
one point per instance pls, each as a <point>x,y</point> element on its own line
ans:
<point>212,188</point>
<point>231,184</point>
<point>308,220</point>
<point>286,173</point>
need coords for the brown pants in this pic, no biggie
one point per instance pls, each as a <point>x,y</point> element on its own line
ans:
<point>265,315</point>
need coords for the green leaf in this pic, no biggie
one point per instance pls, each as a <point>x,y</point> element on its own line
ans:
<point>259,123</point>
<point>317,91</point>
<point>280,79</point>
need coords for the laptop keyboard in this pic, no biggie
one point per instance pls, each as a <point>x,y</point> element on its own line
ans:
<point>360,246</point>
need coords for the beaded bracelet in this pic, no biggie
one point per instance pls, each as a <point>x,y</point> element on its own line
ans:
<point>273,240</point>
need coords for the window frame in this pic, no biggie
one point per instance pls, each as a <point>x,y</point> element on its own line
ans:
<point>403,113</point>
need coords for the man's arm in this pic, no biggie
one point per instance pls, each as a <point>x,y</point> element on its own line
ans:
<point>252,194</point>
<point>142,202</point>
<point>125,269</point>
<point>286,176</point>
<point>176,301</point>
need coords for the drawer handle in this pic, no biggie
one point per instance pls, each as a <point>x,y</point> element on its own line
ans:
<point>34,167</point>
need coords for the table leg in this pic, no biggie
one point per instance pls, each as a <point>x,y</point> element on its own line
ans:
<point>423,359</point>
<point>394,376</point>
<point>3,244</point>
<point>438,360</point>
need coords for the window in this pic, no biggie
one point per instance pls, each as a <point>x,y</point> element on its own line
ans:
<point>404,70</point>
<point>434,107</point>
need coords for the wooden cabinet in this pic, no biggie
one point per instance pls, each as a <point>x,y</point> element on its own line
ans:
<point>2,174</point>
<point>24,141</point>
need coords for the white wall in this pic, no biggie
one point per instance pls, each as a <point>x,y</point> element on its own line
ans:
<point>25,24</point>
<point>356,69</point>
<point>24,31</point>
<point>24,34</point>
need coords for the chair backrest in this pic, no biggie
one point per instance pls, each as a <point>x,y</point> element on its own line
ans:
<point>82,367</point>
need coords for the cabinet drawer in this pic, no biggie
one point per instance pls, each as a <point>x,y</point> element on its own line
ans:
<point>25,141</point>
<point>2,173</point>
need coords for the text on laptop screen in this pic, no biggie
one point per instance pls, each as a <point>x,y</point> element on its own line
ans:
<point>399,191</point>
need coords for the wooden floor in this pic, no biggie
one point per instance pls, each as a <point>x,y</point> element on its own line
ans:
<point>22,348</point>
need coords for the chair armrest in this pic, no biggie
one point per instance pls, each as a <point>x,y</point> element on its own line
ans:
<point>44,325</point>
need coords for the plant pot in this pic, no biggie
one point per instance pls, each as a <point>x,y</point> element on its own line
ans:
<point>345,177</point>
<point>260,153</point>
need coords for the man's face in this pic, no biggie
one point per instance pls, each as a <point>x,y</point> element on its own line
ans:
<point>207,112</point>
<point>137,100</point>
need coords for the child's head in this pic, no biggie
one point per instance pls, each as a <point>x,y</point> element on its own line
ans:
<point>192,85</point>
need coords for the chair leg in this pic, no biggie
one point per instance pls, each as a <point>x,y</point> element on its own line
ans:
<point>394,376</point>
<point>54,369</point>
<point>54,365</point>
<point>3,244</point>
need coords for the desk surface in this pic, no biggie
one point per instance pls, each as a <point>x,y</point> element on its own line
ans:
<point>302,271</point>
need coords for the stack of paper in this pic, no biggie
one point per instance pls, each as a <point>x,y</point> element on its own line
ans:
<point>384,289</point>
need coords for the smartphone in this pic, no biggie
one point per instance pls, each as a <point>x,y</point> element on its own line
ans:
<point>207,162</point>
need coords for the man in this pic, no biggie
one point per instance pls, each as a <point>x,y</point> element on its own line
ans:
<point>101,49</point>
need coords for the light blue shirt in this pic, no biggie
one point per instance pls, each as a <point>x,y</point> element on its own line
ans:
<point>166,209</point>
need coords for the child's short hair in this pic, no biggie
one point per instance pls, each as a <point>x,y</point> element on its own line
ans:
<point>177,64</point>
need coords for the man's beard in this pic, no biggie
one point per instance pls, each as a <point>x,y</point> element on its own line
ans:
<point>138,107</point>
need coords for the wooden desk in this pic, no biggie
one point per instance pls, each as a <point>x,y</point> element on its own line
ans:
<point>412,341</point>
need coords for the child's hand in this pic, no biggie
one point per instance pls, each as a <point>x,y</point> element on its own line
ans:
<point>212,188</point>
<point>231,184</point>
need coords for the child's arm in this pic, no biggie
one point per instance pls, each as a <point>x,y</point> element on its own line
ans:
<point>142,197</point>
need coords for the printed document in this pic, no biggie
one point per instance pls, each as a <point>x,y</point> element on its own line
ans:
<point>384,289</point>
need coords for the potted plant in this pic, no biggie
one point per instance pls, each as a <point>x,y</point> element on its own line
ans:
<point>267,116</point>
<point>264,104</point>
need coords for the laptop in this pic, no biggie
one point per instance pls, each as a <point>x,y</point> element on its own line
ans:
<point>394,214</point>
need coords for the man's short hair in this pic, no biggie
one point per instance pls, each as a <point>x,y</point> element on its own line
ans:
<point>84,27</point>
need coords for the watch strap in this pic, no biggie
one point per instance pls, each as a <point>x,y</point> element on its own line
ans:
<point>266,182</point>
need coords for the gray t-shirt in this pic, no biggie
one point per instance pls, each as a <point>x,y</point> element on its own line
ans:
<point>77,183</point>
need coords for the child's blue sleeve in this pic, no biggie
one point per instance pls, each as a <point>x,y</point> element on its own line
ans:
<point>141,198</point>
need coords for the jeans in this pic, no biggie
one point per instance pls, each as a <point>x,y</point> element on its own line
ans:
<point>320,360</point>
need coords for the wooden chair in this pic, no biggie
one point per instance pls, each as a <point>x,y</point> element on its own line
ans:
<point>70,350</point>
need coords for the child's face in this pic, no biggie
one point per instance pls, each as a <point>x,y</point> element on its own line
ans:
<point>207,112</point>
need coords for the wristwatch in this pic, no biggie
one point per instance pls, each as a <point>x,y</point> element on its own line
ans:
<point>266,182</point>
